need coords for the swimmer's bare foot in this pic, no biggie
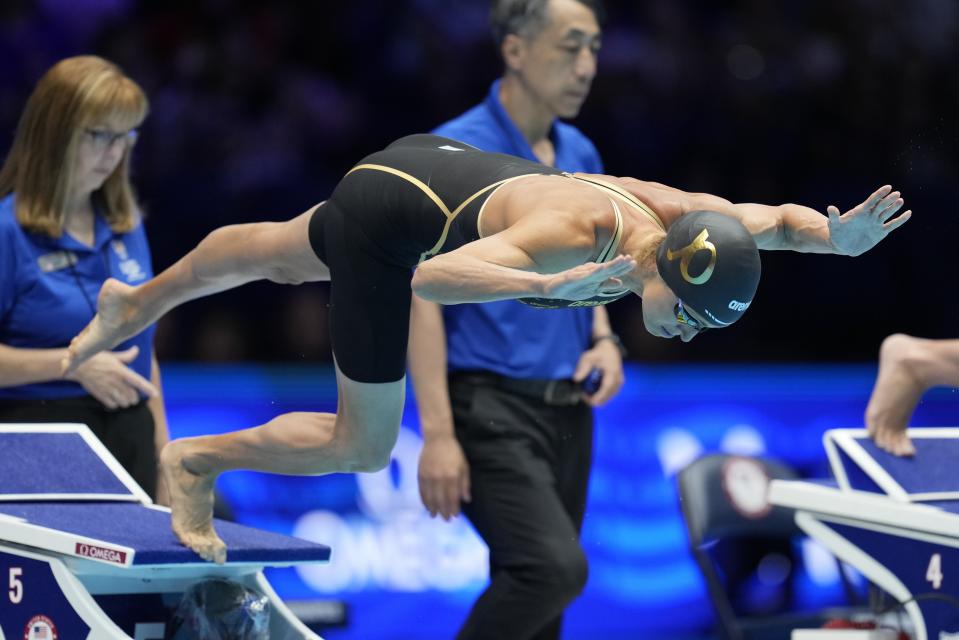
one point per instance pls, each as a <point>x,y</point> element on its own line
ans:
<point>895,395</point>
<point>119,316</point>
<point>191,499</point>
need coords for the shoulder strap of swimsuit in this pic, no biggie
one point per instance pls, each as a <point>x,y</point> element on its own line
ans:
<point>622,193</point>
<point>609,251</point>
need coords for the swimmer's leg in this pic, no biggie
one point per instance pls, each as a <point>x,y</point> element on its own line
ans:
<point>227,258</point>
<point>359,437</point>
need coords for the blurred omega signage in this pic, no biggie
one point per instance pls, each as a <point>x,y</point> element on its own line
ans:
<point>393,543</point>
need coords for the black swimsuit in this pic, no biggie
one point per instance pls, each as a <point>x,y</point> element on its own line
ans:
<point>420,196</point>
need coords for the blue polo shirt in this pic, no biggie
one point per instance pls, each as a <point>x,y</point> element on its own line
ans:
<point>49,288</point>
<point>508,337</point>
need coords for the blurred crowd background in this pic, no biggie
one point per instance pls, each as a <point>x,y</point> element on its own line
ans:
<point>258,108</point>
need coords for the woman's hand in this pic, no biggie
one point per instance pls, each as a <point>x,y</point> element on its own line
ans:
<point>107,377</point>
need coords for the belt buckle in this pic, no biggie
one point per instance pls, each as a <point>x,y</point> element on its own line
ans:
<point>560,392</point>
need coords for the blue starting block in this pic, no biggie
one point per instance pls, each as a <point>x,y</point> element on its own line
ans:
<point>896,520</point>
<point>84,554</point>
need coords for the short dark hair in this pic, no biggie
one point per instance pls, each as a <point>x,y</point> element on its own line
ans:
<point>526,18</point>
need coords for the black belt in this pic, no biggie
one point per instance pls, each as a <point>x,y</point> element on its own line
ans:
<point>563,392</point>
<point>81,402</point>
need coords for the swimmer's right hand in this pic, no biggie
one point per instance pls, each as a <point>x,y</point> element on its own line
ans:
<point>589,280</point>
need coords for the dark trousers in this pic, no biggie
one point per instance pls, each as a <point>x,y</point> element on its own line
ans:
<point>126,433</point>
<point>529,471</point>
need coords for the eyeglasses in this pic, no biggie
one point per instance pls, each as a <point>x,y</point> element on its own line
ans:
<point>684,318</point>
<point>102,139</point>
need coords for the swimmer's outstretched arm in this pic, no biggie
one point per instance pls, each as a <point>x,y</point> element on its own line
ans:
<point>539,256</point>
<point>794,227</point>
<point>229,257</point>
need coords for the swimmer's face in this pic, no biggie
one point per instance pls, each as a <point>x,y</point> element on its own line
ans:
<point>558,62</point>
<point>665,315</point>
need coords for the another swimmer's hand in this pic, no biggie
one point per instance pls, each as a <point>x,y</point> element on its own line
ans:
<point>862,228</point>
<point>899,386</point>
<point>588,280</point>
<point>895,441</point>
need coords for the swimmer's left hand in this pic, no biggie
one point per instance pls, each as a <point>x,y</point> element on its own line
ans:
<point>863,227</point>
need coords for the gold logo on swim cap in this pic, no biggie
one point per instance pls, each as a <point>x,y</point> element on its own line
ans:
<point>686,254</point>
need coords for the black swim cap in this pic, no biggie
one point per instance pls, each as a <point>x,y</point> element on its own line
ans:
<point>711,263</point>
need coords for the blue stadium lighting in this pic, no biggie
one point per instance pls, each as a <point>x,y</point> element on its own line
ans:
<point>389,555</point>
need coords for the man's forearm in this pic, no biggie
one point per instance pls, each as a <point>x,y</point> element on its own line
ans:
<point>457,278</point>
<point>601,326</point>
<point>427,365</point>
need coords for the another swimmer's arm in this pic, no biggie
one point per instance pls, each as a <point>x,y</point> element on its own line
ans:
<point>794,227</point>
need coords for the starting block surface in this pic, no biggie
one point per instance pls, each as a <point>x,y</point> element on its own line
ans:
<point>77,532</point>
<point>858,464</point>
<point>60,462</point>
<point>135,534</point>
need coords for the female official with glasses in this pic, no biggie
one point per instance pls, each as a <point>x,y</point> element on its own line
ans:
<point>68,221</point>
